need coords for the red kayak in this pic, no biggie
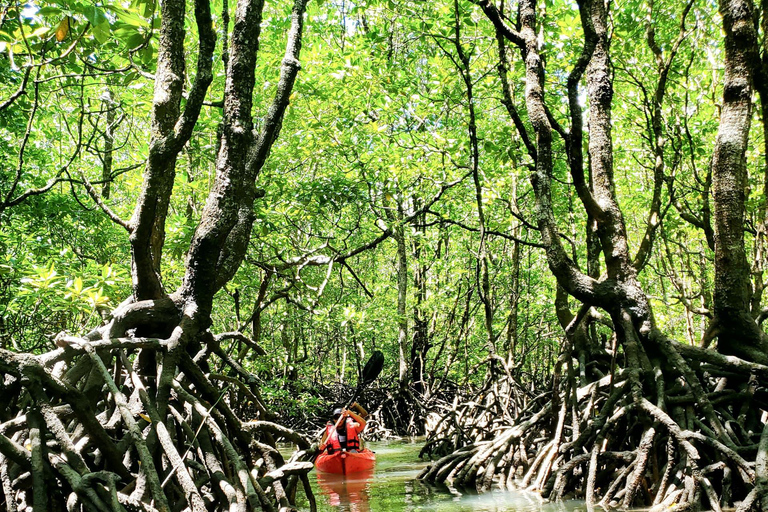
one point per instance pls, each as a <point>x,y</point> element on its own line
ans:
<point>345,463</point>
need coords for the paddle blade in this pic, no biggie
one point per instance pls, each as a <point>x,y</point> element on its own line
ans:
<point>373,367</point>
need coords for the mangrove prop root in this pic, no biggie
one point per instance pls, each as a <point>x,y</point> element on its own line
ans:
<point>621,439</point>
<point>91,426</point>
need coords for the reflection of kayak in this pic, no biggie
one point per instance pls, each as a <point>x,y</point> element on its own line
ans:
<point>350,493</point>
<point>344,463</point>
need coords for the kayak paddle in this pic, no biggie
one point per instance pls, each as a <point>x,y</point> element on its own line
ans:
<point>371,370</point>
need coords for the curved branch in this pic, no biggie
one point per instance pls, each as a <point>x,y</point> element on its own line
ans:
<point>492,232</point>
<point>220,243</point>
<point>22,147</point>
<point>508,102</point>
<point>106,209</point>
<point>565,269</point>
<point>203,78</point>
<point>148,220</point>
<point>575,140</point>
<point>238,336</point>
<point>502,27</point>
<point>21,90</point>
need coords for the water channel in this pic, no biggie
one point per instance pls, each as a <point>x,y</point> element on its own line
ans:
<point>392,487</point>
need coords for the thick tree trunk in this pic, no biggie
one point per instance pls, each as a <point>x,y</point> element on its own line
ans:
<point>170,130</point>
<point>739,335</point>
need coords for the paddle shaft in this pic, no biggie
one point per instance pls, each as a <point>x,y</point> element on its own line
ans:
<point>370,372</point>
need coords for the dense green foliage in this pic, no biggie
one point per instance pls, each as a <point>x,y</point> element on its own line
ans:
<point>377,136</point>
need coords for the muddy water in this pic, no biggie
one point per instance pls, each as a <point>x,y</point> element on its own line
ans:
<point>392,487</point>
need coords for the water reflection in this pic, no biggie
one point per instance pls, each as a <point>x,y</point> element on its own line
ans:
<point>425,497</point>
<point>349,493</point>
<point>392,486</point>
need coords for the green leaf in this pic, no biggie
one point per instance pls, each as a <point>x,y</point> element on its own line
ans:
<point>149,8</point>
<point>95,15</point>
<point>101,32</point>
<point>49,10</point>
<point>144,7</point>
<point>147,55</point>
<point>135,41</point>
<point>129,35</point>
<point>131,18</point>
<point>40,32</point>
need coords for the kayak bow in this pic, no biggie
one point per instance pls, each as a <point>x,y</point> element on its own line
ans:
<point>344,463</point>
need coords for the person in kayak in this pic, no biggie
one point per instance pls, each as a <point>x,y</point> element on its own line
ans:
<point>342,432</point>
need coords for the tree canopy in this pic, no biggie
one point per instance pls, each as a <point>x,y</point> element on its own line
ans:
<point>555,209</point>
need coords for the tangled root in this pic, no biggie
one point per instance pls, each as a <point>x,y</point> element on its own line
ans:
<point>82,428</point>
<point>636,436</point>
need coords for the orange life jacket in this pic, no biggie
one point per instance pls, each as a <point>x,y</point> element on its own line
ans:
<point>334,444</point>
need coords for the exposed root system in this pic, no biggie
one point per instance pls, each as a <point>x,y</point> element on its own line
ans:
<point>83,429</point>
<point>693,438</point>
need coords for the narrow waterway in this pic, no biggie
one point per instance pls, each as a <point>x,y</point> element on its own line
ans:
<point>392,487</point>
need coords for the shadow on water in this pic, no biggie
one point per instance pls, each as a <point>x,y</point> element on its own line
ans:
<point>392,486</point>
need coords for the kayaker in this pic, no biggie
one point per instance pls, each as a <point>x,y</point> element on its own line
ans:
<point>347,436</point>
